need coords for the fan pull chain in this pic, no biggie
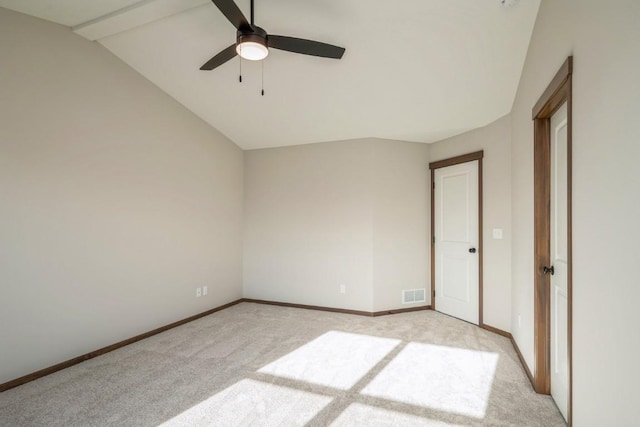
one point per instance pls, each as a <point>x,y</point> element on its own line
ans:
<point>262,77</point>
<point>240,57</point>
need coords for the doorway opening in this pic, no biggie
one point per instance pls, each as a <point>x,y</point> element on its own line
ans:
<point>456,236</point>
<point>547,164</point>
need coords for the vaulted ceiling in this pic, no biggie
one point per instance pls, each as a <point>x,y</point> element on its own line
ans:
<point>415,70</point>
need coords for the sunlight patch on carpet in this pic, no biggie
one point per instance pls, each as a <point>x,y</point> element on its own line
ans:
<point>335,359</point>
<point>358,414</point>
<point>250,402</point>
<point>448,379</point>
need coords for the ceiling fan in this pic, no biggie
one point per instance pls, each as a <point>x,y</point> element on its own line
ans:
<point>253,42</point>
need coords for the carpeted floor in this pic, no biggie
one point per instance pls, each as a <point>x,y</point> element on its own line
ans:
<point>262,365</point>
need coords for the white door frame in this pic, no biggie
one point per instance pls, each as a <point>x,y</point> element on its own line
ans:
<point>478,155</point>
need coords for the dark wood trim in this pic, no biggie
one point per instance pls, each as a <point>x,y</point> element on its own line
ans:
<point>338,310</point>
<point>365,313</point>
<point>515,347</point>
<point>557,93</point>
<point>523,362</point>
<point>433,242</point>
<point>541,226</point>
<point>52,369</point>
<point>480,249</point>
<point>310,307</point>
<point>401,310</point>
<point>68,363</point>
<point>496,330</point>
<point>477,155</point>
<point>545,105</point>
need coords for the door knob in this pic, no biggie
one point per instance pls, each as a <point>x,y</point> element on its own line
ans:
<point>547,270</point>
<point>472,250</point>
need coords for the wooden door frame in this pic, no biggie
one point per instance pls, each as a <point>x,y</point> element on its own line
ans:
<point>465,158</point>
<point>557,93</point>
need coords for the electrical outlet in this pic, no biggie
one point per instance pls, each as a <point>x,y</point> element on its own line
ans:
<point>198,292</point>
<point>343,289</point>
<point>205,290</point>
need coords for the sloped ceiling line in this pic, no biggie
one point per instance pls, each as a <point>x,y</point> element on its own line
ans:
<point>133,16</point>
<point>417,70</point>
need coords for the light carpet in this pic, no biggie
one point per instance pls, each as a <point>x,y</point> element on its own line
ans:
<point>262,365</point>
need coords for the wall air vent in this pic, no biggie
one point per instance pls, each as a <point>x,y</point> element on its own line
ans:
<point>411,296</point>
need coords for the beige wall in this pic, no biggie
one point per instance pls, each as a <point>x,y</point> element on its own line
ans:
<point>495,140</point>
<point>401,222</point>
<point>357,213</point>
<point>115,201</point>
<point>321,215</point>
<point>603,37</point>
<point>308,224</point>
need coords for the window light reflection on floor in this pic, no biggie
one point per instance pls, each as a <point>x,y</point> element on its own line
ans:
<point>250,402</point>
<point>448,379</point>
<point>335,359</point>
<point>445,379</point>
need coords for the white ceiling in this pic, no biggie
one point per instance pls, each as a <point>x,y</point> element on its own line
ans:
<point>416,70</point>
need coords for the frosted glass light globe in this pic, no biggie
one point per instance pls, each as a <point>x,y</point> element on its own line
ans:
<point>252,51</point>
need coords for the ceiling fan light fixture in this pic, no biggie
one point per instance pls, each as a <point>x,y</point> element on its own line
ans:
<point>253,42</point>
<point>251,50</point>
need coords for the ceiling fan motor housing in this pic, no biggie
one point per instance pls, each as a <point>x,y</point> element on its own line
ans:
<point>254,34</point>
<point>253,43</point>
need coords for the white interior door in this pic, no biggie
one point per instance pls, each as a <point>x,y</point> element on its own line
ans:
<point>559,261</point>
<point>456,241</point>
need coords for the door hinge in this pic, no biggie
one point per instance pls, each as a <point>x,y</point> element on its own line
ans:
<point>434,293</point>
<point>433,240</point>
<point>433,185</point>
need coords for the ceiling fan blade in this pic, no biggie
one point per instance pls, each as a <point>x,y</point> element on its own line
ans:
<point>306,47</point>
<point>233,13</point>
<point>220,58</point>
